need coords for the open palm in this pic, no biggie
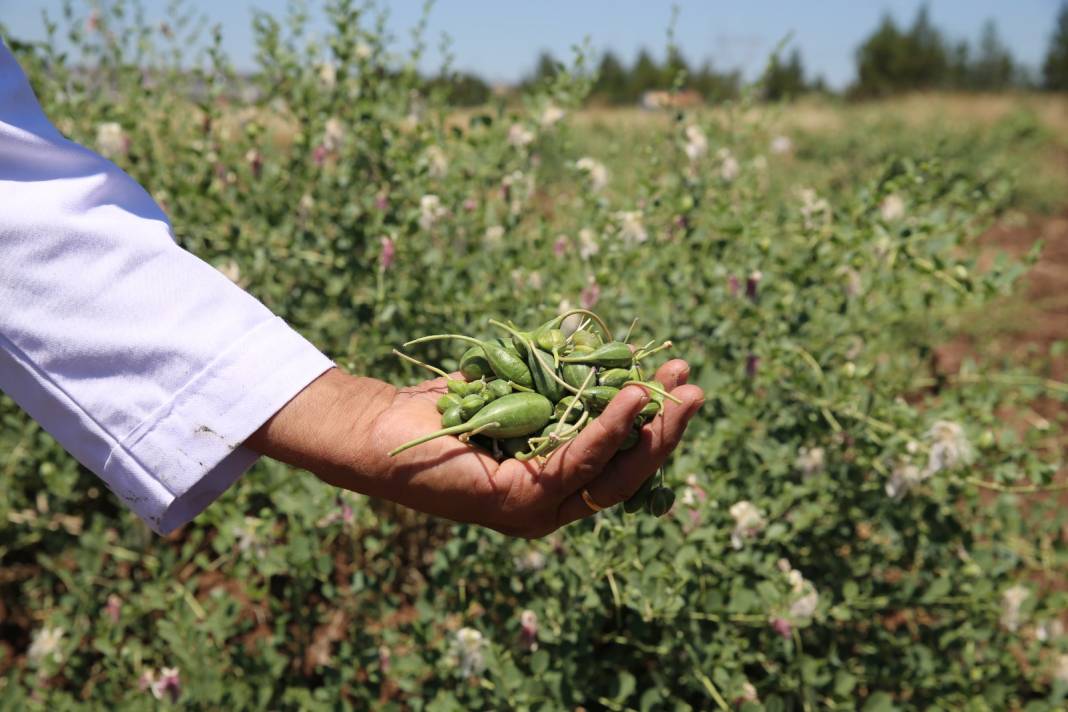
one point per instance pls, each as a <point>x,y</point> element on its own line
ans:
<point>462,482</point>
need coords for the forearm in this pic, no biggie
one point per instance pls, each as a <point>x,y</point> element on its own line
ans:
<point>325,430</point>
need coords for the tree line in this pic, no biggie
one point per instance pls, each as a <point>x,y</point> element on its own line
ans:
<point>894,58</point>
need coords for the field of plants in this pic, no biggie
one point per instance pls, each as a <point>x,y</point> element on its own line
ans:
<point>869,511</point>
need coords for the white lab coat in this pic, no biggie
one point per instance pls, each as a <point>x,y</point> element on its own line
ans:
<point>147,365</point>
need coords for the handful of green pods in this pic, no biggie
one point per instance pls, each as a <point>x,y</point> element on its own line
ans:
<point>525,394</point>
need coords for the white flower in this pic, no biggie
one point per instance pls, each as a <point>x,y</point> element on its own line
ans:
<point>949,448</point>
<point>532,560</point>
<point>903,478</point>
<point>729,168</point>
<point>469,647</point>
<point>534,281</point>
<point>805,606</point>
<point>797,581</point>
<point>813,208</point>
<point>437,163</point>
<point>595,171</point>
<point>333,134</point>
<point>1011,601</point>
<point>892,208</point>
<point>1060,671</point>
<point>520,136</point>
<point>111,141</point>
<point>696,143</point>
<point>1049,630</point>
<point>551,115</point>
<point>588,245</point>
<point>363,50</point>
<point>306,203</point>
<point>781,145</point>
<point>248,537</point>
<point>494,235</point>
<point>749,693</point>
<point>328,74</point>
<point>46,644</point>
<point>631,228</point>
<point>430,211</point>
<point>809,461</point>
<point>232,270</point>
<point>852,281</point>
<point>748,522</point>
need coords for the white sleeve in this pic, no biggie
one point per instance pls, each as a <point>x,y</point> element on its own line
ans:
<point>145,363</point>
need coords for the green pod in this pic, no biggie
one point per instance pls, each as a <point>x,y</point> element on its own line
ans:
<point>540,369</point>
<point>632,439</point>
<point>554,428</point>
<point>448,401</point>
<point>574,374</point>
<point>473,364</point>
<point>614,354</point>
<point>637,500</point>
<point>649,411</point>
<point>514,446</point>
<point>471,404</point>
<point>487,394</point>
<point>457,387</point>
<point>507,365</point>
<point>504,363</point>
<point>550,340</point>
<point>597,398</point>
<point>500,388</point>
<point>660,501</point>
<point>514,415</point>
<point>452,417</point>
<point>562,406</point>
<point>586,339</point>
<point>614,377</point>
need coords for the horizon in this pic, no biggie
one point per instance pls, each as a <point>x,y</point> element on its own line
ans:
<point>501,43</point>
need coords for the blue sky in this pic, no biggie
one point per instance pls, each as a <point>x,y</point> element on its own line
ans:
<point>499,39</point>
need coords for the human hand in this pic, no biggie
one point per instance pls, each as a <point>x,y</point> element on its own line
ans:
<point>462,482</point>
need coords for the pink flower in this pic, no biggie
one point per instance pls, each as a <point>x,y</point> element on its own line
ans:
<point>528,621</point>
<point>751,285</point>
<point>782,627</point>
<point>319,154</point>
<point>168,683</point>
<point>733,285</point>
<point>381,201</point>
<point>589,296</point>
<point>255,162</point>
<point>752,365</point>
<point>347,514</point>
<point>113,609</point>
<point>383,659</point>
<point>560,246</point>
<point>470,205</point>
<point>389,251</point>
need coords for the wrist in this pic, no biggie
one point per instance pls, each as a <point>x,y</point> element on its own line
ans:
<point>326,429</point>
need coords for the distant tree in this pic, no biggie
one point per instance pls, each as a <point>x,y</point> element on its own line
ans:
<point>891,60</point>
<point>645,75</point>
<point>714,85</point>
<point>994,68</point>
<point>959,72</point>
<point>1055,68</point>
<point>612,78</point>
<point>545,68</point>
<point>784,80</point>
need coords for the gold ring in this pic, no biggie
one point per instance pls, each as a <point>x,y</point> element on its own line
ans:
<point>589,500</point>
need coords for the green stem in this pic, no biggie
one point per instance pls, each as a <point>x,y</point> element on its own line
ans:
<point>643,353</point>
<point>654,389</point>
<point>454,430</point>
<point>427,366</point>
<point>442,337</point>
<point>605,331</point>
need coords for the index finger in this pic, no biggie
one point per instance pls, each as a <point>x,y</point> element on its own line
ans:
<point>579,461</point>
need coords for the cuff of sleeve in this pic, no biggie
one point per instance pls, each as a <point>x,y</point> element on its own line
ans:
<point>188,452</point>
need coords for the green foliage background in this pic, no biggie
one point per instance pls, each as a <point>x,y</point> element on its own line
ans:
<point>286,594</point>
